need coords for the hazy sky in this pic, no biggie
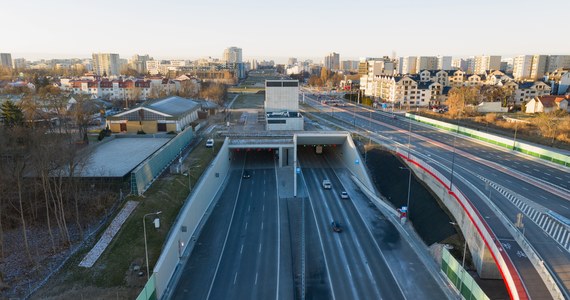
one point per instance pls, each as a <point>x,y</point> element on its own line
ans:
<point>280,29</point>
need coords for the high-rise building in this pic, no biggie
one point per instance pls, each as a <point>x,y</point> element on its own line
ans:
<point>232,55</point>
<point>522,66</point>
<point>349,65</point>
<point>459,64</point>
<point>6,60</point>
<point>485,63</point>
<point>332,61</point>
<point>444,62</point>
<point>291,61</point>
<point>408,65</point>
<point>20,63</point>
<point>426,63</point>
<point>106,64</point>
<point>557,62</point>
<point>138,62</point>
<point>538,67</point>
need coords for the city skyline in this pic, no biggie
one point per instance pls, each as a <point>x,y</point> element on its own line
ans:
<point>300,29</point>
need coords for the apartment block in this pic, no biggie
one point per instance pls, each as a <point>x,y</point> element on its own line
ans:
<point>332,61</point>
<point>6,60</point>
<point>556,62</point>
<point>426,63</point>
<point>522,66</point>
<point>444,62</point>
<point>486,63</point>
<point>106,64</point>
<point>232,55</point>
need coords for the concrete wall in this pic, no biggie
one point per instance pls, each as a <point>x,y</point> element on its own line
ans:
<point>189,219</point>
<point>508,143</point>
<point>489,258</point>
<point>353,162</point>
<point>290,124</point>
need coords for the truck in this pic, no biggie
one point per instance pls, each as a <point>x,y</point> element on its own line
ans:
<point>327,184</point>
<point>319,149</point>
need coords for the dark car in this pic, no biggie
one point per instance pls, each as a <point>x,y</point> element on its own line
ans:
<point>336,226</point>
<point>246,174</point>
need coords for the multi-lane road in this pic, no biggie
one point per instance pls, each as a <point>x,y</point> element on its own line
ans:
<point>258,243</point>
<point>511,181</point>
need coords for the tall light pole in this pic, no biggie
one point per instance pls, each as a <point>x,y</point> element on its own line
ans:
<point>453,155</point>
<point>145,243</point>
<point>515,136</point>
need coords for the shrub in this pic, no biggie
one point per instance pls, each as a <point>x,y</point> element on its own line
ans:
<point>491,118</point>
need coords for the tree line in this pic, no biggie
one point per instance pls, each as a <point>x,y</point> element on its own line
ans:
<point>41,152</point>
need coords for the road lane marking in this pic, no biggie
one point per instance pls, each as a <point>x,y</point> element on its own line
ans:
<point>524,188</point>
<point>558,178</point>
<point>263,207</point>
<point>259,249</point>
<point>241,250</point>
<point>246,225</point>
<point>256,278</point>
<point>235,278</point>
<point>564,206</point>
<point>226,239</point>
<point>261,225</point>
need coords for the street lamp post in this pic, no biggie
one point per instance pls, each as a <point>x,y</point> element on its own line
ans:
<point>515,136</point>
<point>145,243</point>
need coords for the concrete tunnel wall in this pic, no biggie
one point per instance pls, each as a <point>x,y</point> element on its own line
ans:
<point>354,162</point>
<point>195,209</point>
<point>482,258</point>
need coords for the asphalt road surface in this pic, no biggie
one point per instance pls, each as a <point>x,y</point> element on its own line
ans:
<point>257,245</point>
<point>542,184</point>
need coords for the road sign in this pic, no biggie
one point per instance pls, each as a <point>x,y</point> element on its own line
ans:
<point>298,170</point>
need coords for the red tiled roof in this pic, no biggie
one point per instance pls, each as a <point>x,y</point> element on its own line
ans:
<point>550,100</point>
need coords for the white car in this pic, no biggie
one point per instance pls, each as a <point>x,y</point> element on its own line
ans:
<point>210,143</point>
<point>343,195</point>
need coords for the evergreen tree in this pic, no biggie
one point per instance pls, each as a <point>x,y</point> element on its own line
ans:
<point>11,114</point>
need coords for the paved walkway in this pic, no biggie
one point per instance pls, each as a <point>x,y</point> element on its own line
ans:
<point>93,255</point>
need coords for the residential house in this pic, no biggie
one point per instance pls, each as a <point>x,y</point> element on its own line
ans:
<point>546,104</point>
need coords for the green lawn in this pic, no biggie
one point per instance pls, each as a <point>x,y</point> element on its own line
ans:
<point>249,101</point>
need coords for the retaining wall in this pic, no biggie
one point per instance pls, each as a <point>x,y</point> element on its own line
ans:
<point>186,227</point>
<point>481,239</point>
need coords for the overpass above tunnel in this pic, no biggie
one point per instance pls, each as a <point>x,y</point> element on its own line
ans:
<point>285,144</point>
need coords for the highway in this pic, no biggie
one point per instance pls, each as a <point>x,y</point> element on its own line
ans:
<point>238,254</point>
<point>541,185</point>
<point>258,245</point>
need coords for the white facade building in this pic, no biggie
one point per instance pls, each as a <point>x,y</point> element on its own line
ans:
<point>106,63</point>
<point>232,55</point>
<point>282,105</point>
<point>522,66</point>
<point>444,63</point>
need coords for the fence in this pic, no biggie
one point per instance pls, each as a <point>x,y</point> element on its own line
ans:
<point>145,174</point>
<point>508,143</point>
<point>468,288</point>
<point>149,290</point>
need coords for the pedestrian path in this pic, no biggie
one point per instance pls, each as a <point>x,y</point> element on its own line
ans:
<point>552,224</point>
<point>93,255</point>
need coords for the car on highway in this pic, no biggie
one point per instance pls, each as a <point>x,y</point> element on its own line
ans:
<point>336,226</point>
<point>210,143</point>
<point>343,195</point>
<point>327,184</point>
<point>246,174</point>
